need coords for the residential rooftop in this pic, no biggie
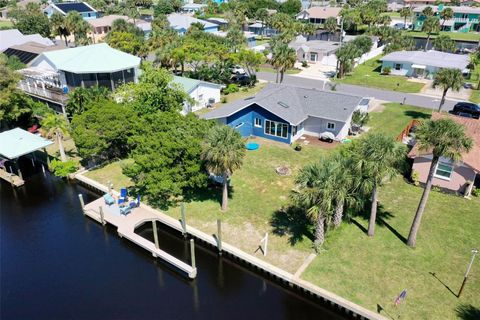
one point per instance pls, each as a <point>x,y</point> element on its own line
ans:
<point>472,129</point>
<point>462,9</point>
<point>183,21</point>
<point>14,37</point>
<point>80,7</point>
<point>321,12</point>
<point>295,104</point>
<point>28,51</point>
<point>430,58</point>
<point>95,58</point>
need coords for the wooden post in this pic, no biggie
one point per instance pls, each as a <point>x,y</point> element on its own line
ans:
<point>192,253</point>
<point>155,233</point>
<point>219,235</point>
<point>33,162</point>
<point>20,174</point>
<point>46,154</point>
<point>102,218</point>
<point>265,244</point>
<point>184,221</point>
<point>80,196</point>
<point>43,169</point>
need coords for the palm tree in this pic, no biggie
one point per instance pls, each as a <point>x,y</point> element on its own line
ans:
<point>315,194</point>
<point>330,25</point>
<point>445,138</point>
<point>427,11</point>
<point>58,26</point>
<point>446,14</point>
<point>430,25</point>
<point>376,160</point>
<point>346,55</point>
<point>223,153</point>
<point>262,15</point>
<point>283,58</point>
<point>78,27</point>
<point>447,79</point>
<point>56,125</point>
<point>406,12</point>
<point>444,43</point>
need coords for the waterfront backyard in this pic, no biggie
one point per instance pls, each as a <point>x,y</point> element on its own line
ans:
<point>368,271</point>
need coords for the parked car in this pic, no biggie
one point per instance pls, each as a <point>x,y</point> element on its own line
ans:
<point>465,115</point>
<point>467,107</point>
<point>241,79</point>
<point>238,70</point>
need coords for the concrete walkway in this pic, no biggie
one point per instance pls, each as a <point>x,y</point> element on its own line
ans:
<point>418,100</point>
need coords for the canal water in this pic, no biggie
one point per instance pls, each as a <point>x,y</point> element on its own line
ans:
<point>57,264</point>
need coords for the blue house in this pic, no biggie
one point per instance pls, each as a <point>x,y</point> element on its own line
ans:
<point>181,23</point>
<point>83,8</point>
<point>285,113</point>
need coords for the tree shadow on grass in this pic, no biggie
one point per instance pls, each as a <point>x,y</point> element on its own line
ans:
<point>382,217</point>
<point>417,114</point>
<point>468,312</point>
<point>210,192</point>
<point>292,221</point>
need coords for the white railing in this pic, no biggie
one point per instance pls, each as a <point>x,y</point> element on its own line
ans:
<point>52,94</point>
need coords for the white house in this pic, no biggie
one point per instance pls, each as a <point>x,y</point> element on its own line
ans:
<point>203,93</point>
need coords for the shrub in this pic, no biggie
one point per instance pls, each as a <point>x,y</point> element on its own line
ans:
<point>436,189</point>
<point>415,177</point>
<point>63,169</point>
<point>475,192</point>
<point>386,70</point>
<point>231,88</point>
<point>297,147</point>
<point>304,64</point>
<point>223,100</point>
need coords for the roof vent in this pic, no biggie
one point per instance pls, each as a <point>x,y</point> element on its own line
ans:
<point>305,96</point>
<point>249,98</point>
<point>283,104</point>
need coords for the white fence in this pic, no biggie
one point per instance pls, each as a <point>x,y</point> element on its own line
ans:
<point>331,60</point>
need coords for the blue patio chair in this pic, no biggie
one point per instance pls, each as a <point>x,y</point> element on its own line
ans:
<point>123,196</point>
<point>135,203</point>
<point>125,210</point>
<point>108,199</point>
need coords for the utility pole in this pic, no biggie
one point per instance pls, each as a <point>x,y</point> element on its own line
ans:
<point>474,253</point>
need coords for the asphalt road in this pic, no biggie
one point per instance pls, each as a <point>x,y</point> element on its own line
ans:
<point>387,95</point>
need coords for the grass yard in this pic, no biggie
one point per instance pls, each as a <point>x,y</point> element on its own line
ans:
<point>112,173</point>
<point>5,24</point>
<point>469,36</point>
<point>395,117</point>
<point>373,271</point>
<point>368,75</point>
<point>475,97</point>
<point>474,79</point>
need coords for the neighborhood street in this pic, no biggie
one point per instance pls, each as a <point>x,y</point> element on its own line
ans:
<point>392,96</point>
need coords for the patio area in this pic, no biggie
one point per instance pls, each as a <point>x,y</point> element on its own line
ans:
<point>315,141</point>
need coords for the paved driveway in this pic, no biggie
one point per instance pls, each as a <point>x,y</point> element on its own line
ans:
<point>386,95</point>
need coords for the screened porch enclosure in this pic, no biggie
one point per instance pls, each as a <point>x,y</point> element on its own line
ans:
<point>110,80</point>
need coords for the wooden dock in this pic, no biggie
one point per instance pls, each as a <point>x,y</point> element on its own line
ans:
<point>11,178</point>
<point>126,225</point>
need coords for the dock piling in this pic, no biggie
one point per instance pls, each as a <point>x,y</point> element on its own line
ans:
<point>102,217</point>
<point>80,196</point>
<point>20,174</point>
<point>184,221</point>
<point>155,234</point>
<point>43,169</point>
<point>219,236</point>
<point>33,162</point>
<point>192,253</point>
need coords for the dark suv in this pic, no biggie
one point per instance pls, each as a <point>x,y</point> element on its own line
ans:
<point>467,107</point>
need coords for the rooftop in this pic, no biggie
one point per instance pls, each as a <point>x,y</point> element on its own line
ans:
<point>430,58</point>
<point>462,9</point>
<point>189,84</point>
<point>107,21</point>
<point>14,37</point>
<point>182,21</point>
<point>320,12</point>
<point>18,142</point>
<point>95,58</point>
<point>295,104</point>
<point>74,6</point>
<point>28,51</point>
<point>472,129</point>
<point>317,45</point>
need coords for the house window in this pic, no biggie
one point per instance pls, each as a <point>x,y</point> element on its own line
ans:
<point>294,131</point>
<point>398,66</point>
<point>239,125</point>
<point>200,97</point>
<point>277,129</point>
<point>313,57</point>
<point>258,122</point>
<point>330,126</point>
<point>444,170</point>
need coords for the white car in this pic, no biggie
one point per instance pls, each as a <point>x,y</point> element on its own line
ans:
<point>238,70</point>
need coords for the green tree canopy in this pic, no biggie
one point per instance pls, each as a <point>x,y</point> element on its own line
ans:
<point>31,20</point>
<point>102,132</point>
<point>444,43</point>
<point>447,79</point>
<point>291,7</point>
<point>153,92</point>
<point>167,161</point>
<point>125,41</point>
<point>81,99</point>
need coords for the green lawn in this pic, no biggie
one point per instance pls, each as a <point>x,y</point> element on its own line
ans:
<point>475,97</point>
<point>112,173</point>
<point>5,24</point>
<point>368,75</point>
<point>395,117</point>
<point>373,271</point>
<point>474,78</point>
<point>469,36</point>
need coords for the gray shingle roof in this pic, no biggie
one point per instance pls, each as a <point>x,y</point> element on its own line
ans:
<point>294,104</point>
<point>430,58</point>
